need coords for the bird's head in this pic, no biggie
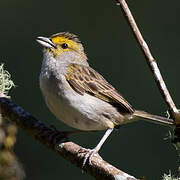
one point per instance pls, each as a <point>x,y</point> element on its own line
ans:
<point>63,46</point>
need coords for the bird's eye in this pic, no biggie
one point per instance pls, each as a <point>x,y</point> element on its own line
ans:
<point>64,46</point>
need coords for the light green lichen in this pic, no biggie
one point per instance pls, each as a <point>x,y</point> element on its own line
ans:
<point>5,80</point>
<point>170,177</point>
<point>170,137</point>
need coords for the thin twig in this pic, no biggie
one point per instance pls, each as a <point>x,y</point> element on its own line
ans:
<point>58,142</point>
<point>151,61</point>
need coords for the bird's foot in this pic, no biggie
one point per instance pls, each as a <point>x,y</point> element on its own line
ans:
<point>89,153</point>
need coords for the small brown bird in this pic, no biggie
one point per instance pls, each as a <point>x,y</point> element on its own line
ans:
<point>79,96</point>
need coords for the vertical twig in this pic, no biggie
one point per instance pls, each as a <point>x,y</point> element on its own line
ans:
<point>151,61</point>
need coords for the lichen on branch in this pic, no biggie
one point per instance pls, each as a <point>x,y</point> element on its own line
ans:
<point>5,80</point>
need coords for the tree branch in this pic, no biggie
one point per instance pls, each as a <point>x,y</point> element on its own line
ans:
<point>150,61</point>
<point>59,143</point>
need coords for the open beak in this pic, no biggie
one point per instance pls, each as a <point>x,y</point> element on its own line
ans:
<point>45,42</point>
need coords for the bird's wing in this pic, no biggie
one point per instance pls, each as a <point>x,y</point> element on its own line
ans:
<point>84,79</point>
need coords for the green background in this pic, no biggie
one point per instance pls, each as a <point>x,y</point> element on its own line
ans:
<point>138,148</point>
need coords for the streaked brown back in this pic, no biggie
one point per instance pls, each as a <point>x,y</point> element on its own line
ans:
<point>84,79</point>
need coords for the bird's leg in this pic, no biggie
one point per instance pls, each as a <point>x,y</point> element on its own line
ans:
<point>91,152</point>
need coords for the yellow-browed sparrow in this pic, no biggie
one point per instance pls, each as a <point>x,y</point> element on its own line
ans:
<point>78,95</point>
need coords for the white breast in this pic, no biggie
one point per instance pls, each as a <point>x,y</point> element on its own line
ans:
<point>83,112</point>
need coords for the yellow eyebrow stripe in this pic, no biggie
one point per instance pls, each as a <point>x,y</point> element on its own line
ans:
<point>60,40</point>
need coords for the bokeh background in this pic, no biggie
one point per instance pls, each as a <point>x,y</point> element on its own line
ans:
<point>138,148</point>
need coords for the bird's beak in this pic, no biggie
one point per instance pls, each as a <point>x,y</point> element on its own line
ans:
<point>45,42</point>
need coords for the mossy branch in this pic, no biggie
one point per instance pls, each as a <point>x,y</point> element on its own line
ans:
<point>10,167</point>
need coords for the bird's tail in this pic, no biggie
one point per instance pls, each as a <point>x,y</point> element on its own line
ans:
<point>154,118</point>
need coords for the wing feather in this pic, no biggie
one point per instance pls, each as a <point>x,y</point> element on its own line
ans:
<point>84,79</point>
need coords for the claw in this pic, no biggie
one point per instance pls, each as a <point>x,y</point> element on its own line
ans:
<point>89,153</point>
<point>89,156</point>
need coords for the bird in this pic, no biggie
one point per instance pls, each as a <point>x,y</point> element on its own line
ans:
<point>78,95</point>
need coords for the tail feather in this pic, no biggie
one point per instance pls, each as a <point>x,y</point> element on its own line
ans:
<point>154,118</point>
